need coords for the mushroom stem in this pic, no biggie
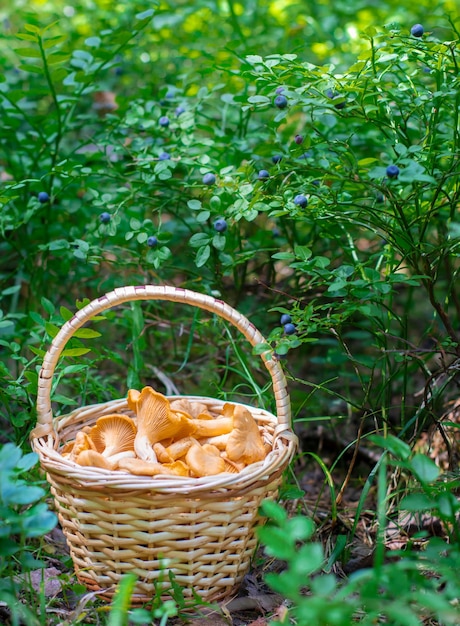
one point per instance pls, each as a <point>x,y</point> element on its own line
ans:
<point>213,427</point>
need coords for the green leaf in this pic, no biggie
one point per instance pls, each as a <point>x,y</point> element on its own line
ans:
<point>51,329</point>
<point>29,53</point>
<point>57,57</point>
<point>397,447</point>
<point>299,528</point>
<point>254,58</point>
<point>218,241</point>
<point>276,542</point>
<point>202,255</point>
<point>145,14</point>
<point>32,28</point>
<point>27,495</point>
<point>66,313</point>
<point>26,37</point>
<point>86,333</point>
<point>285,256</point>
<point>259,100</point>
<point>199,239</point>
<point>39,521</point>
<point>416,502</point>
<point>75,351</point>
<point>47,305</point>
<point>309,559</point>
<point>424,468</point>
<point>194,205</point>
<point>93,42</point>
<point>274,511</point>
<point>37,351</point>
<point>203,216</point>
<point>10,456</point>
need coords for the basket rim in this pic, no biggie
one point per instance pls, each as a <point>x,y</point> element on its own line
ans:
<point>63,470</point>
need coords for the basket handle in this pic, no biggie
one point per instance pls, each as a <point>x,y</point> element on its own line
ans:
<point>149,292</point>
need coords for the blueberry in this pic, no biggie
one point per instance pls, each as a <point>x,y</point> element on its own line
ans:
<point>289,329</point>
<point>298,139</point>
<point>43,196</point>
<point>279,90</point>
<point>276,158</point>
<point>164,156</point>
<point>220,225</point>
<point>379,198</point>
<point>285,319</point>
<point>263,175</point>
<point>392,171</point>
<point>164,121</point>
<point>301,200</point>
<point>332,95</point>
<point>417,30</point>
<point>152,241</point>
<point>306,155</point>
<point>209,179</point>
<point>179,110</point>
<point>281,102</point>
<point>105,217</point>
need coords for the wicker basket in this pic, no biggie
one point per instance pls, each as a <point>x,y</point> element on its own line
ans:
<point>202,529</point>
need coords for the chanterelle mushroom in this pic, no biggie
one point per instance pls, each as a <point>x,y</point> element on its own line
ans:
<point>245,442</point>
<point>155,422</point>
<point>82,442</point>
<point>213,427</point>
<point>140,467</point>
<point>113,434</point>
<point>192,407</point>
<point>179,448</point>
<point>92,458</point>
<point>133,397</point>
<point>202,463</point>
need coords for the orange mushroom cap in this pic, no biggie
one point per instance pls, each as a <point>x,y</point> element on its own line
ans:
<point>113,434</point>
<point>82,442</point>
<point>155,422</point>
<point>192,407</point>
<point>245,442</point>
<point>133,397</point>
<point>178,468</point>
<point>92,458</point>
<point>202,463</point>
<point>219,441</point>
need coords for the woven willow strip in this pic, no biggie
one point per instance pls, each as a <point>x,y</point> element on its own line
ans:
<point>200,529</point>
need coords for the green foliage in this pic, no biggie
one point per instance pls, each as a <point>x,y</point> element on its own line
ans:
<point>400,591</point>
<point>24,516</point>
<point>366,266</point>
<point>160,607</point>
<point>353,263</point>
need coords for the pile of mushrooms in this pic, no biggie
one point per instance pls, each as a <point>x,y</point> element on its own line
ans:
<point>178,437</point>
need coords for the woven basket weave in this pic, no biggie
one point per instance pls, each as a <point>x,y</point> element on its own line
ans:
<point>201,529</point>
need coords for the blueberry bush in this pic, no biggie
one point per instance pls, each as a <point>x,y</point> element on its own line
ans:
<point>299,162</point>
